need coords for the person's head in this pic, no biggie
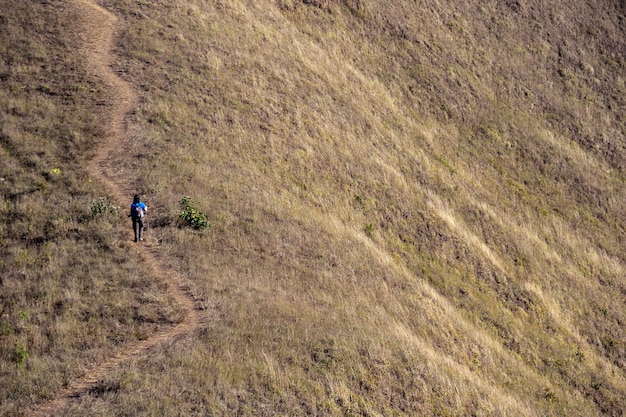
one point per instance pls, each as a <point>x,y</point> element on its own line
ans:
<point>136,198</point>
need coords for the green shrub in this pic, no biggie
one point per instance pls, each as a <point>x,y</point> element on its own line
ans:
<point>103,206</point>
<point>21,353</point>
<point>191,216</point>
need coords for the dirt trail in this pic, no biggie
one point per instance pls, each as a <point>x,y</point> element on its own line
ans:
<point>96,30</point>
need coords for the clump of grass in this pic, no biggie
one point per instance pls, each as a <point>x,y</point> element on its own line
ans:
<point>104,206</point>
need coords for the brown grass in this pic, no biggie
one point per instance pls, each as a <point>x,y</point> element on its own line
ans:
<point>416,209</point>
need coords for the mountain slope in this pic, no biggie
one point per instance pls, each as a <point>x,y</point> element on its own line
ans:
<point>417,208</point>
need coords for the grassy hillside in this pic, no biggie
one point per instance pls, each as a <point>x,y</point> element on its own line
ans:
<point>416,208</point>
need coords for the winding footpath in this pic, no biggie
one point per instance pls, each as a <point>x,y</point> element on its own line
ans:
<point>96,30</point>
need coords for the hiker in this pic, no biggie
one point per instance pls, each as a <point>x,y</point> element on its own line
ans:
<point>138,210</point>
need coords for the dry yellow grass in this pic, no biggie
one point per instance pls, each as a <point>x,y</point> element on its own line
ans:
<point>416,209</point>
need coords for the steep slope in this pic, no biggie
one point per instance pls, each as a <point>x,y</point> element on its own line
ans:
<point>417,208</point>
<point>98,32</point>
<point>76,299</point>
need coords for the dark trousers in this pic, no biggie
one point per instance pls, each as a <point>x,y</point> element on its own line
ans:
<point>137,227</point>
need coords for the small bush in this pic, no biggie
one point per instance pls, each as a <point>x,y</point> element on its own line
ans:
<point>103,206</point>
<point>21,354</point>
<point>191,216</point>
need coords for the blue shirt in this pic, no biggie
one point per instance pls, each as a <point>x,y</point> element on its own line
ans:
<point>141,205</point>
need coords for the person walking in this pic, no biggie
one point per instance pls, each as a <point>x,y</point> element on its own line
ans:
<point>138,210</point>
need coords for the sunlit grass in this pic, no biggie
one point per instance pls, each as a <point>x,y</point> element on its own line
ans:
<point>413,211</point>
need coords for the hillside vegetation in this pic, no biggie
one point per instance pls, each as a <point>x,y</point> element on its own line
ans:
<point>416,208</point>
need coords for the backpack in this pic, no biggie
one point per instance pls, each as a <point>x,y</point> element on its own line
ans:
<point>137,211</point>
